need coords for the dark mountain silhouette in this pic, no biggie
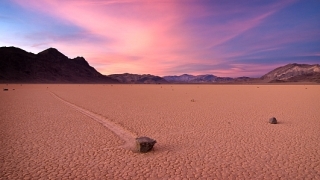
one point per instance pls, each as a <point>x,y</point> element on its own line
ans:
<point>138,79</point>
<point>294,73</point>
<point>48,66</point>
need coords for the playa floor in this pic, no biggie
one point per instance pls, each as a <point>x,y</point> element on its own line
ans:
<point>61,131</point>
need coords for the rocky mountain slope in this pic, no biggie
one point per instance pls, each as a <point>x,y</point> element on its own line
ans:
<point>48,66</point>
<point>294,73</point>
<point>138,79</point>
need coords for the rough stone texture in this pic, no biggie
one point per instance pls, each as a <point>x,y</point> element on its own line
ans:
<point>273,120</point>
<point>145,144</point>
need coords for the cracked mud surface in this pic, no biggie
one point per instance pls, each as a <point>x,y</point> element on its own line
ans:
<point>223,134</point>
<point>121,132</point>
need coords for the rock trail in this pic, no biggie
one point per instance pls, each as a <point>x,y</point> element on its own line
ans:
<point>121,132</point>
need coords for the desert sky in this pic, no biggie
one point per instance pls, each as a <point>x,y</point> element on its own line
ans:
<point>168,37</point>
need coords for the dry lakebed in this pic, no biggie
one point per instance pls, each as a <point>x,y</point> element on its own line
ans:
<point>88,131</point>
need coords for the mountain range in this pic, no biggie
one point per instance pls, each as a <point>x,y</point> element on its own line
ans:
<point>208,78</point>
<point>51,66</point>
<point>137,78</point>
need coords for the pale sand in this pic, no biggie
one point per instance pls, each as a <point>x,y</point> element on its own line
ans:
<point>224,134</point>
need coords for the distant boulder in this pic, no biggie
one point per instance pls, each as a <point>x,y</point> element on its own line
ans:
<point>273,120</point>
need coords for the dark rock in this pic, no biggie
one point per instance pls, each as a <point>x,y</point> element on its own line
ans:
<point>145,144</point>
<point>273,120</point>
<point>5,89</point>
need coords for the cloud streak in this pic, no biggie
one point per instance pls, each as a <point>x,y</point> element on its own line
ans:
<point>169,37</point>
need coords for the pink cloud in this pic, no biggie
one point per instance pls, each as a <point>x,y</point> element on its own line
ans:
<point>154,32</point>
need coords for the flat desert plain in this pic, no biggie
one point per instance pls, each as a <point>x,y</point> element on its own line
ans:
<point>81,131</point>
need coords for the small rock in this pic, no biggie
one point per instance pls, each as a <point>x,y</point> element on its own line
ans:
<point>273,120</point>
<point>145,144</point>
<point>192,100</point>
<point>5,89</point>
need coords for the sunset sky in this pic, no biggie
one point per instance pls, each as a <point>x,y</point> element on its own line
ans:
<point>168,37</point>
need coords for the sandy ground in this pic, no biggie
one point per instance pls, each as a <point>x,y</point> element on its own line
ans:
<point>57,131</point>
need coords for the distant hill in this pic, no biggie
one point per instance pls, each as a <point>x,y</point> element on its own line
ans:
<point>48,66</point>
<point>186,78</point>
<point>208,78</point>
<point>294,73</point>
<point>138,79</point>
